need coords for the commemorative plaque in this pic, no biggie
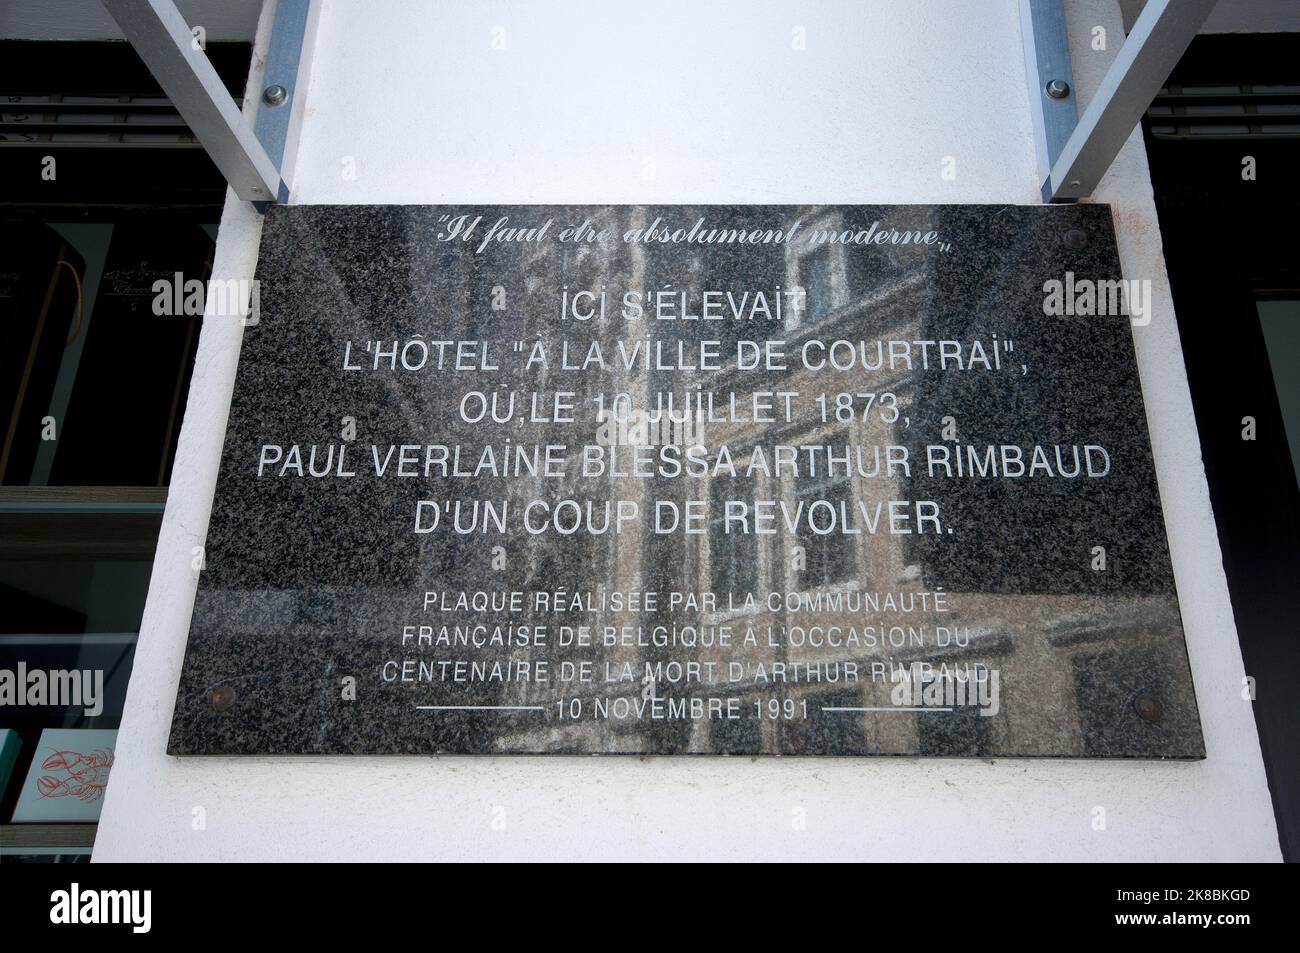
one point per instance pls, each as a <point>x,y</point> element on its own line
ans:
<point>760,480</point>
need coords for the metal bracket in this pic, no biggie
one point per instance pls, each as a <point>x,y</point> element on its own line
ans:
<point>249,159</point>
<point>1047,64</point>
<point>1157,41</point>
<point>288,67</point>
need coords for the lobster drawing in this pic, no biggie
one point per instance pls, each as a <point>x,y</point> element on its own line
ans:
<point>81,775</point>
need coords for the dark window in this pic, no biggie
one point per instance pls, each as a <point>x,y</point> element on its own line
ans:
<point>839,732</point>
<point>94,373</point>
<point>818,284</point>
<point>1236,311</point>
<point>743,735</point>
<point>1110,684</point>
<point>962,732</point>
<point>733,557</point>
<point>829,557</point>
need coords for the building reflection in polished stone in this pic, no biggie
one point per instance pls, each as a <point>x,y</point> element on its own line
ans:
<point>1052,591</point>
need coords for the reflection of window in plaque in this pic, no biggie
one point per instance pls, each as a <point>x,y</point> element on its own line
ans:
<point>817,276</point>
<point>962,732</point>
<point>840,731</point>
<point>1107,685</point>
<point>828,557</point>
<point>871,274</point>
<point>743,735</point>
<point>733,557</point>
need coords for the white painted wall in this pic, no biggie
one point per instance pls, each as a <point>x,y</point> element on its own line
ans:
<point>584,93</point>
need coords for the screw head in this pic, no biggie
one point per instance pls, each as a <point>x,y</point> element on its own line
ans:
<point>1148,708</point>
<point>222,697</point>
<point>275,95</point>
<point>1075,239</point>
<point>1058,88</point>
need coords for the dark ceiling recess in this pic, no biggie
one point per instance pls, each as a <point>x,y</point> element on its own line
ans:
<point>1197,159</point>
<point>1229,87</point>
<point>1228,207</point>
<point>115,138</point>
<point>1234,111</point>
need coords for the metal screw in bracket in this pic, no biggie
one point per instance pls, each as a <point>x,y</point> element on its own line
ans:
<point>1147,708</point>
<point>275,95</point>
<point>222,697</point>
<point>1058,88</point>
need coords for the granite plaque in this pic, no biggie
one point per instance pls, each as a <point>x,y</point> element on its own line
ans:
<point>832,480</point>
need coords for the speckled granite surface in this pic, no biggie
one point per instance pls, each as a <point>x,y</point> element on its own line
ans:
<point>819,589</point>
